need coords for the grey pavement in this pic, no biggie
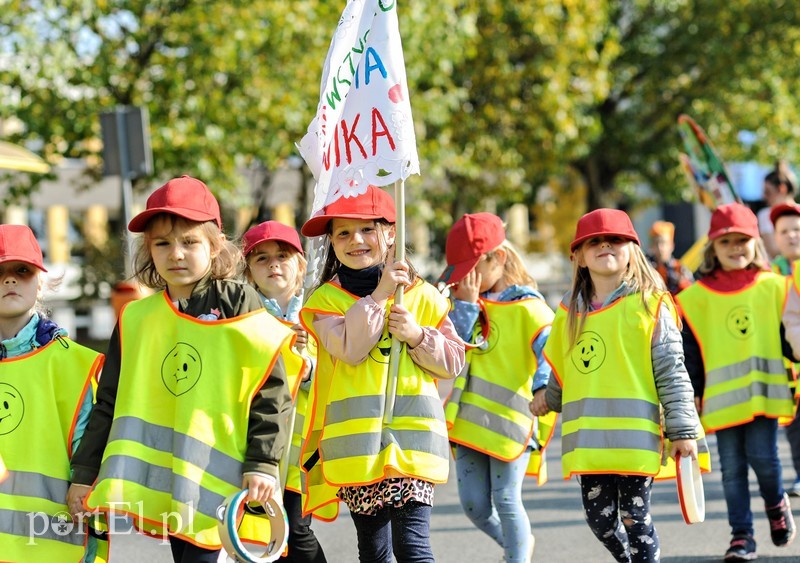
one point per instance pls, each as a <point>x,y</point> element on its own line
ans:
<point>557,522</point>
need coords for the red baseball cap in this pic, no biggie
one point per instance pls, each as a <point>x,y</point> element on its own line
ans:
<point>270,230</point>
<point>603,222</point>
<point>185,197</point>
<point>782,209</point>
<point>733,218</point>
<point>375,203</point>
<point>17,244</point>
<point>471,237</point>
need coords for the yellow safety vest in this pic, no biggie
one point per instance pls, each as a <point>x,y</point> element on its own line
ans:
<point>488,410</point>
<point>41,393</point>
<point>179,433</point>
<point>610,407</point>
<point>738,337</point>
<point>354,446</point>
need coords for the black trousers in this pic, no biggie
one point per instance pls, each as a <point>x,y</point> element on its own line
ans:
<point>303,544</point>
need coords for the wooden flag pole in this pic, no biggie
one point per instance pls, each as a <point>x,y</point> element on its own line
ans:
<point>399,254</point>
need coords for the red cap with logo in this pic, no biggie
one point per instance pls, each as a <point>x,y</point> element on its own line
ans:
<point>603,222</point>
<point>375,203</point>
<point>185,197</point>
<point>782,209</point>
<point>270,230</point>
<point>471,237</point>
<point>733,218</point>
<point>17,244</point>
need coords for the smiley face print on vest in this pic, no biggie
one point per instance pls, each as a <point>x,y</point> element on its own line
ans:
<point>589,352</point>
<point>12,408</point>
<point>181,368</point>
<point>740,322</point>
<point>380,353</point>
<point>486,344</point>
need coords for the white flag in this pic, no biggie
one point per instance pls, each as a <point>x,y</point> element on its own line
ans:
<point>363,132</point>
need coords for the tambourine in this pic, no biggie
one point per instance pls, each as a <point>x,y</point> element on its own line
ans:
<point>690,489</point>
<point>229,519</point>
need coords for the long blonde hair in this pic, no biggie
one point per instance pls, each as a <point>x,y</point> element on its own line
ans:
<point>226,257</point>
<point>514,270</point>
<point>639,274</point>
<point>711,263</point>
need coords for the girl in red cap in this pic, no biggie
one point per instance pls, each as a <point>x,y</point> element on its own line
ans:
<point>193,401</point>
<point>735,358</point>
<point>497,309</point>
<point>615,350</point>
<point>383,470</point>
<point>45,399</point>
<point>276,266</point>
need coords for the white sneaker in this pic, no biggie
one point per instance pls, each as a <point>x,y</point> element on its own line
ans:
<point>533,544</point>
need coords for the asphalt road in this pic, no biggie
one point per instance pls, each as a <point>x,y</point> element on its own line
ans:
<point>557,521</point>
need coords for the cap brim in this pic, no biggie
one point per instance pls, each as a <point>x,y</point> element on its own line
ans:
<point>139,223</point>
<point>318,226</point>
<point>23,259</point>
<point>732,230</point>
<point>577,242</point>
<point>454,273</point>
<point>249,248</point>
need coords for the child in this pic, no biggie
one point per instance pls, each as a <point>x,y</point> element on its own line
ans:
<point>662,244</point>
<point>738,372</point>
<point>615,351</point>
<point>276,266</point>
<point>383,470</point>
<point>46,400</point>
<point>193,404</point>
<point>785,218</point>
<point>489,412</point>
<point>779,187</point>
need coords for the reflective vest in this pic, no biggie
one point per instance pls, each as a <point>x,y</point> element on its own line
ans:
<point>611,421</point>
<point>489,411</point>
<point>42,393</point>
<point>179,433</point>
<point>738,334</point>
<point>347,431</point>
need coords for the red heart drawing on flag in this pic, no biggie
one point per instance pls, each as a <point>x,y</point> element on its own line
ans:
<point>396,93</point>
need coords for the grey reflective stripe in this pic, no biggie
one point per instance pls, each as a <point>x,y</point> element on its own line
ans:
<point>299,422</point>
<point>18,523</point>
<point>498,394</point>
<point>455,396</point>
<point>30,484</point>
<point>702,446</point>
<point>294,449</point>
<point>371,406</point>
<point>740,369</point>
<point>163,480</point>
<point>612,408</point>
<point>374,443</point>
<point>496,423</point>
<point>772,391</point>
<point>610,439</point>
<point>186,448</point>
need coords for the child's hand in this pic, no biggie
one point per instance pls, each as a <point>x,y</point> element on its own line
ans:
<point>538,406</point>
<point>468,289</point>
<point>302,337</point>
<point>687,448</point>
<point>394,274</point>
<point>75,495</point>
<point>260,487</point>
<point>404,327</point>
<point>305,375</point>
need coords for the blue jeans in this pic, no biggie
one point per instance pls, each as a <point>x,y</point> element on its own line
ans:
<point>491,496</point>
<point>755,444</point>
<point>405,530</point>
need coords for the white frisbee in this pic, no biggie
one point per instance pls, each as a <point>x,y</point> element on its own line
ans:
<point>690,490</point>
<point>229,518</point>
